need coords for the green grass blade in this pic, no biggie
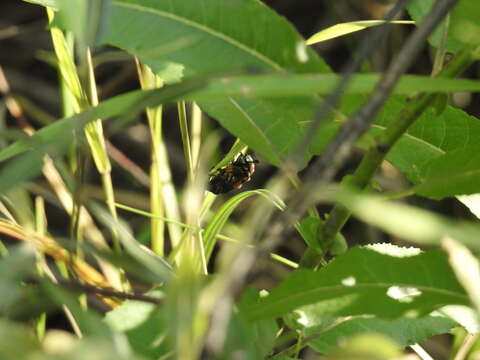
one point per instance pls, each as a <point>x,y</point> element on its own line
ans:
<point>217,223</point>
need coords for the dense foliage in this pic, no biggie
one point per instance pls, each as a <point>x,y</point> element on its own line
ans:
<point>373,143</point>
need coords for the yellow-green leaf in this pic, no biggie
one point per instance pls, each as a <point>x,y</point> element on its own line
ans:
<point>348,28</point>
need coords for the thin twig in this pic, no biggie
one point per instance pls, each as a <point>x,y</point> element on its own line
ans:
<point>89,289</point>
<point>304,342</point>
<point>420,351</point>
<point>466,346</point>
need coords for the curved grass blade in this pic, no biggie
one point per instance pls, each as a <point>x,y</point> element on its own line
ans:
<point>222,215</point>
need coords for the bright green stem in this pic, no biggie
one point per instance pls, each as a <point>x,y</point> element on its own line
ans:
<point>187,150</point>
<point>373,158</point>
<point>41,228</point>
<point>149,80</point>
<point>156,200</point>
<point>98,149</point>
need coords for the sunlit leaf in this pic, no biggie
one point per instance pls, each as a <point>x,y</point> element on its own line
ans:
<point>363,281</point>
<point>338,30</point>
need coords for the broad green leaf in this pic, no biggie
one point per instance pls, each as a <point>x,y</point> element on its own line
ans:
<point>224,36</point>
<point>431,136</point>
<point>55,138</point>
<point>366,347</point>
<point>455,173</point>
<point>143,325</point>
<point>308,229</point>
<point>348,28</point>
<point>403,332</point>
<point>243,40</point>
<point>87,19</point>
<point>463,23</point>
<point>365,282</point>
<point>249,340</point>
<point>215,225</point>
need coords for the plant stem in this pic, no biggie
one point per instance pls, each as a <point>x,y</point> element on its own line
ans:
<point>374,157</point>
<point>466,346</point>
<point>149,80</point>
<point>187,150</point>
<point>96,140</point>
<point>196,131</point>
<point>41,228</point>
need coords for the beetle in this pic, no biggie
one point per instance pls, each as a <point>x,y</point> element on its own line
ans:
<point>233,175</point>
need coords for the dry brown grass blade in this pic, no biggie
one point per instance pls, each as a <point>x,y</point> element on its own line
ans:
<point>50,247</point>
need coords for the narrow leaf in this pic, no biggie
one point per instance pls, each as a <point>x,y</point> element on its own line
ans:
<point>348,28</point>
<point>403,332</point>
<point>281,85</point>
<point>221,216</point>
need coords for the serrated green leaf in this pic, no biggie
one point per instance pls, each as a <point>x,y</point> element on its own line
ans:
<point>308,229</point>
<point>431,136</point>
<point>366,347</point>
<point>455,173</point>
<point>241,32</point>
<point>225,36</point>
<point>363,281</point>
<point>463,23</point>
<point>403,331</point>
